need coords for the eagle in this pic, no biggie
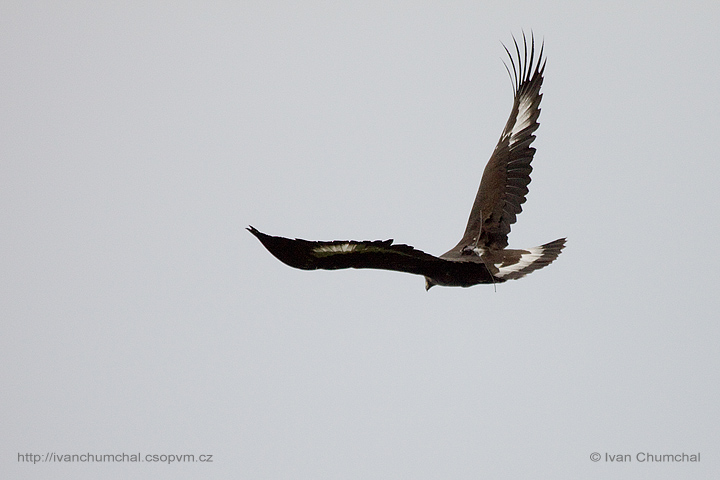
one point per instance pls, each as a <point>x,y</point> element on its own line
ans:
<point>481,256</point>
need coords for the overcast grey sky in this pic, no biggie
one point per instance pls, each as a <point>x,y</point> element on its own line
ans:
<point>139,139</point>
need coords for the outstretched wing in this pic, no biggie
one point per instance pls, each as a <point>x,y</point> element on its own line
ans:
<point>378,254</point>
<point>505,180</point>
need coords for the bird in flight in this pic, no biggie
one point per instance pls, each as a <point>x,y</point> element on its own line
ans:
<point>481,256</point>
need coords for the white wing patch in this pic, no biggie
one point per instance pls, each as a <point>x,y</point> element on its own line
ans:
<point>523,119</point>
<point>339,248</point>
<point>526,259</point>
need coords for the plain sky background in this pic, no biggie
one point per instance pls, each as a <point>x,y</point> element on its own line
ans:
<point>139,139</point>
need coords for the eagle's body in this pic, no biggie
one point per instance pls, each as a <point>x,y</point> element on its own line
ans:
<point>481,256</point>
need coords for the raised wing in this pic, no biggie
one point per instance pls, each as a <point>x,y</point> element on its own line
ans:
<point>505,180</point>
<point>378,254</point>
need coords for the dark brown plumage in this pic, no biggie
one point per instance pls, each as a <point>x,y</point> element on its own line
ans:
<point>481,255</point>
